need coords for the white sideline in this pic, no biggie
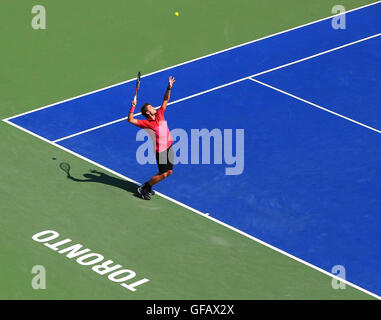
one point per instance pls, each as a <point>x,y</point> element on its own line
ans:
<point>170,103</point>
<point>205,215</point>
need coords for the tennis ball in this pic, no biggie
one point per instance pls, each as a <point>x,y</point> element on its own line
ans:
<point>177,14</point>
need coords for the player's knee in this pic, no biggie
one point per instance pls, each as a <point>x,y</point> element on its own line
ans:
<point>166,173</point>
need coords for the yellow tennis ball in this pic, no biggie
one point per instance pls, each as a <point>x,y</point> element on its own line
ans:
<point>177,14</point>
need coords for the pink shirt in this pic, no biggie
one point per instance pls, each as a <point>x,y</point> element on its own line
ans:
<point>160,128</point>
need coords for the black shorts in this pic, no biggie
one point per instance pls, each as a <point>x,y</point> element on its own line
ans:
<point>165,160</point>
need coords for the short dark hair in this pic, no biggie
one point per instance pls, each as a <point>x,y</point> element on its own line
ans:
<point>143,110</point>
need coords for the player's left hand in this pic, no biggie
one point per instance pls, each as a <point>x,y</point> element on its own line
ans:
<point>171,81</point>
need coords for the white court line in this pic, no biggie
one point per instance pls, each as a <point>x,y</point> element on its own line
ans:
<point>234,82</point>
<point>199,58</point>
<point>137,114</point>
<point>179,203</point>
<point>207,216</point>
<point>315,105</point>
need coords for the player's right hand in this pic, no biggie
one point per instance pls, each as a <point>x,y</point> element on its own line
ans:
<point>133,101</point>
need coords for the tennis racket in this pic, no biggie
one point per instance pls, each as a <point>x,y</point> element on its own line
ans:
<point>137,85</point>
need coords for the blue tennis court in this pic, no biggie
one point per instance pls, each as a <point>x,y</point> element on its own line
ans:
<point>309,103</point>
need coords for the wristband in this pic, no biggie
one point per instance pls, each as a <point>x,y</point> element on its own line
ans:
<point>168,88</point>
<point>132,109</point>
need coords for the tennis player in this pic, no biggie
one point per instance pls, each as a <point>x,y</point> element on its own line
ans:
<point>156,125</point>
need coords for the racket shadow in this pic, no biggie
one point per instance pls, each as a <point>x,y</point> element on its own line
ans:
<point>96,176</point>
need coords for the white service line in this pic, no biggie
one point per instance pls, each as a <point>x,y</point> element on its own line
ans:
<point>315,105</point>
<point>231,83</point>
<point>205,215</point>
<point>199,58</point>
<point>92,129</point>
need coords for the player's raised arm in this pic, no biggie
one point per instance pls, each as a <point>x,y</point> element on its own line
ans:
<point>131,118</point>
<point>167,94</point>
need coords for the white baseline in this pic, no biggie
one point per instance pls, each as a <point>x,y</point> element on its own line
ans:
<point>199,58</point>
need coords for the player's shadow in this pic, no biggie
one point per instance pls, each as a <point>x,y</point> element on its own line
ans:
<point>101,177</point>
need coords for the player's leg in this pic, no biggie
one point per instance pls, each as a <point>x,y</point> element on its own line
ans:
<point>159,177</point>
<point>145,190</point>
<point>165,162</point>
